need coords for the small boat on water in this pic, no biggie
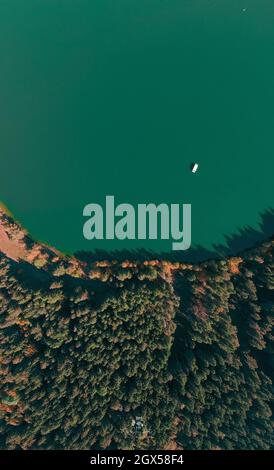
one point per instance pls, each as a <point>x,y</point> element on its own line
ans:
<point>194,167</point>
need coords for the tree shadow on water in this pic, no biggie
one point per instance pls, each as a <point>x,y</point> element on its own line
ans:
<point>248,237</point>
<point>245,238</point>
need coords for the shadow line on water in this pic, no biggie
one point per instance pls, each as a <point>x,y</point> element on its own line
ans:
<point>245,238</point>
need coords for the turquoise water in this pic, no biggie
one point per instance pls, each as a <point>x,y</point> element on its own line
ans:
<point>120,97</point>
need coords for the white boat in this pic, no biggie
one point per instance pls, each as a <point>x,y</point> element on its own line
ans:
<point>194,167</point>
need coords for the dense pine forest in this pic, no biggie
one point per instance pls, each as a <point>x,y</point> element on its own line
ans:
<point>86,352</point>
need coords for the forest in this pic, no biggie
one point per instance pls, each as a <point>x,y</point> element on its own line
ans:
<point>136,355</point>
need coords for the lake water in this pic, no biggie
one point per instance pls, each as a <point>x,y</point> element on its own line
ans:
<point>120,97</point>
